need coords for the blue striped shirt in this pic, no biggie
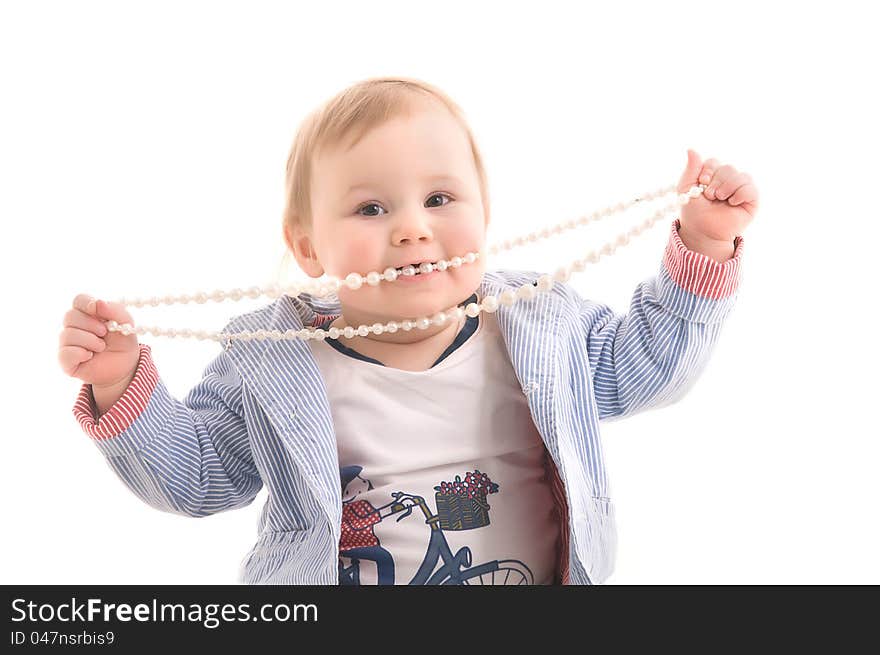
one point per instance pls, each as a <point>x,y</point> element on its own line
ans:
<point>260,414</point>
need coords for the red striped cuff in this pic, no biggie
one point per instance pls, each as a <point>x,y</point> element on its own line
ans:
<point>125,410</point>
<point>700,274</point>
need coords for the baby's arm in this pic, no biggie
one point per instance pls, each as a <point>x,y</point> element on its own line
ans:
<point>651,356</point>
<point>191,457</point>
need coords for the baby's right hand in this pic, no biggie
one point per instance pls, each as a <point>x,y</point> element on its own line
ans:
<point>89,351</point>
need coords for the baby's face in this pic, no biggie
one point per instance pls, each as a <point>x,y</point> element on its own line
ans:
<point>407,193</point>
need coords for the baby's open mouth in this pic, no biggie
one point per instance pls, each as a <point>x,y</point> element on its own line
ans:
<point>416,269</point>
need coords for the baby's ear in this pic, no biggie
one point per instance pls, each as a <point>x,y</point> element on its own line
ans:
<point>300,244</point>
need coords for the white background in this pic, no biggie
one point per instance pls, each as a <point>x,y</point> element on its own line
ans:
<point>142,151</point>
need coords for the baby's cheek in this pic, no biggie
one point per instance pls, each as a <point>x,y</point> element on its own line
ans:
<point>353,256</point>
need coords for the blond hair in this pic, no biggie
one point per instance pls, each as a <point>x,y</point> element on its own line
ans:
<point>353,112</point>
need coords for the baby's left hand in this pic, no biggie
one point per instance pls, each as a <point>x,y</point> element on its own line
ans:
<point>726,206</point>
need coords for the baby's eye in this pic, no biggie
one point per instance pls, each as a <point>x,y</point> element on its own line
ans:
<point>440,195</point>
<point>364,206</point>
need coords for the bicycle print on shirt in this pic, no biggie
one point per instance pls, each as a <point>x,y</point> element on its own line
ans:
<point>461,505</point>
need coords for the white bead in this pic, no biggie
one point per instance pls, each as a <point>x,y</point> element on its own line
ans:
<point>272,291</point>
<point>426,267</point>
<point>621,240</point>
<point>544,233</point>
<point>423,323</point>
<point>290,334</point>
<point>112,325</point>
<point>456,262</point>
<point>320,335</point>
<point>592,257</point>
<point>378,328</point>
<point>407,325</point>
<point>348,332</point>
<point>470,258</point>
<point>472,310</point>
<point>373,278</point>
<point>390,274</point>
<point>578,265</point>
<point>392,327</point>
<point>218,296</point>
<point>236,294</point>
<point>253,292</point>
<point>353,281</point>
<point>490,304</point>
<point>201,335</point>
<point>695,192</point>
<point>562,275</point>
<point>527,291</point>
<point>607,249</point>
<point>170,300</point>
<point>442,265</point>
<point>185,333</point>
<point>507,297</point>
<point>545,283</point>
<point>439,318</point>
<point>683,198</point>
<point>363,330</point>
<point>334,332</point>
<point>457,313</point>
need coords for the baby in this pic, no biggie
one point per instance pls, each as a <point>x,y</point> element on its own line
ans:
<point>477,438</point>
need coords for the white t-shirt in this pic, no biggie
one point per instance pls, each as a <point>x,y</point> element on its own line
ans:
<point>464,422</point>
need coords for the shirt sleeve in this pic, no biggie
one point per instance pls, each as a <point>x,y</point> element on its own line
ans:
<point>651,355</point>
<point>189,457</point>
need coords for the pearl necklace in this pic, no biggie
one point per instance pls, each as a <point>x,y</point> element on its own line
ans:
<point>355,281</point>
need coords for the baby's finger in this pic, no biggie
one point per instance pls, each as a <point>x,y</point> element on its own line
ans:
<point>78,319</point>
<point>720,177</point>
<point>708,170</point>
<point>82,303</point>
<point>70,357</point>
<point>112,311</point>
<point>101,309</point>
<point>726,187</point>
<point>746,193</point>
<point>71,336</point>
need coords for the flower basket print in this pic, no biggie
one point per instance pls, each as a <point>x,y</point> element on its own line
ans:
<point>462,504</point>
